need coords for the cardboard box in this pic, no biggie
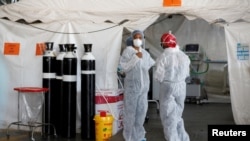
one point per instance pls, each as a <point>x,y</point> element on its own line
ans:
<point>111,101</point>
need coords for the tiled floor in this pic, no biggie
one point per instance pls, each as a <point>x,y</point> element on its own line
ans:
<point>196,118</point>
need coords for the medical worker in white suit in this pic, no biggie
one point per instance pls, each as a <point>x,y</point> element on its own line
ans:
<point>135,62</point>
<point>172,68</point>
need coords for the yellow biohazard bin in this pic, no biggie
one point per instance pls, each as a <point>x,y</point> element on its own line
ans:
<point>103,126</point>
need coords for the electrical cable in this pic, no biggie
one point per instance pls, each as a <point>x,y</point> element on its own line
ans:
<point>72,32</point>
<point>57,32</point>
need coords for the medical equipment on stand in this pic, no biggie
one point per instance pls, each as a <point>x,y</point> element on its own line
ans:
<point>195,91</point>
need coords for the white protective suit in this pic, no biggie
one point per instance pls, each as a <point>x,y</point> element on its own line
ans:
<point>136,87</point>
<point>172,68</point>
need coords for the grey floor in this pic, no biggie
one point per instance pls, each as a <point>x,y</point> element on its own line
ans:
<point>196,118</point>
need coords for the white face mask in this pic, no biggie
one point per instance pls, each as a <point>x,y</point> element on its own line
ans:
<point>137,42</point>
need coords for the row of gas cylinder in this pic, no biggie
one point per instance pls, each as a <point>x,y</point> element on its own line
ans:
<point>60,76</point>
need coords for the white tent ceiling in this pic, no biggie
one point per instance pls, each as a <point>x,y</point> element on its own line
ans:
<point>97,11</point>
<point>80,21</point>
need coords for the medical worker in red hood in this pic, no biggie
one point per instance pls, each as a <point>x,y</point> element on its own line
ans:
<point>172,68</point>
<point>135,62</point>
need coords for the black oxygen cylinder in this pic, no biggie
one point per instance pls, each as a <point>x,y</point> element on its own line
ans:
<point>87,93</point>
<point>69,92</point>
<point>49,81</point>
<point>59,87</point>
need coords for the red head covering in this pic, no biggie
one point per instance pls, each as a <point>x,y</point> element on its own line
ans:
<point>168,40</point>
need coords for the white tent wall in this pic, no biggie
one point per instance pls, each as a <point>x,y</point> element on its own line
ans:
<point>25,69</point>
<point>239,71</point>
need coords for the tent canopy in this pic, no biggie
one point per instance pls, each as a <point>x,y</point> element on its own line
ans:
<point>90,21</point>
<point>95,11</point>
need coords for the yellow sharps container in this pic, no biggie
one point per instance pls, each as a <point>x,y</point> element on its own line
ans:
<point>103,126</point>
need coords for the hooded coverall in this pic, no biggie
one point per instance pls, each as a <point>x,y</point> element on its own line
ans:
<point>136,87</point>
<point>172,68</point>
